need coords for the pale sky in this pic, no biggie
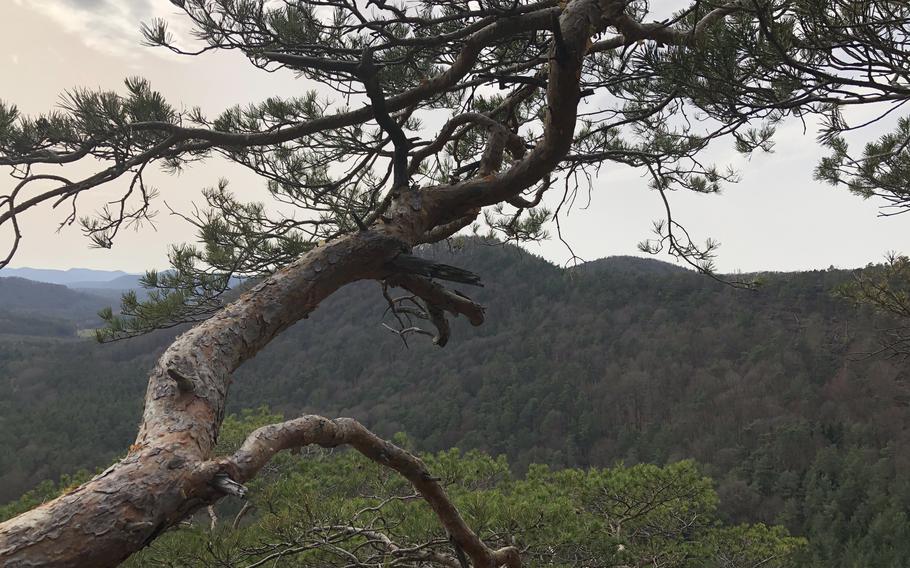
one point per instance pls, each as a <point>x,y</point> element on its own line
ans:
<point>776,218</point>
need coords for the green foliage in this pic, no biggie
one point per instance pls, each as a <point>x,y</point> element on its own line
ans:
<point>522,225</point>
<point>856,504</point>
<point>621,359</point>
<point>44,491</point>
<point>712,71</point>
<point>184,294</point>
<point>640,515</point>
<point>236,428</point>
<point>762,390</point>
<point>881,170</point>
<point>886,288</point>
<point>98,115</point>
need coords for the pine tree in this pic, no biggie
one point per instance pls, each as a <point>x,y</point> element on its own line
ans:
<point>537,97</point>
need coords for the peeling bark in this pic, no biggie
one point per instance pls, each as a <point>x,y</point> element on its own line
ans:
<point>168,474</point>
<point>170,471</point>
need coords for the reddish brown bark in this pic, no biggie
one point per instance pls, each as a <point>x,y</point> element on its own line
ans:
<point>169,472</point>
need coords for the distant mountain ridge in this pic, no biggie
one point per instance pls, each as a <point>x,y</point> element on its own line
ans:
<point>125,282</point>
<point>72,277</point>
<point>90,279</point>
<point>628,264</point>
<point>23,300</point>
<point>101,282</point>
<point>623,359</point>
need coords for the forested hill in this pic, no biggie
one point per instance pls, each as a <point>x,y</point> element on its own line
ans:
<point>619,359</point>
<point>41,309</point>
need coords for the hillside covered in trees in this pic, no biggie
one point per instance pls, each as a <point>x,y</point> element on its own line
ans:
<point>336,508</point>
<point>618,360</point>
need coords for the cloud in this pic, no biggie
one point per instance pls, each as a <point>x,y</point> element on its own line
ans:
<point>109,26</point>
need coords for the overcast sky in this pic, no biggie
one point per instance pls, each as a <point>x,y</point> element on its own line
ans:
<point>777,218</point>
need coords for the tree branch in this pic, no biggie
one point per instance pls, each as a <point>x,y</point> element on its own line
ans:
<point>437,295</point>
<point>267,441</point>
<point>369,75</point>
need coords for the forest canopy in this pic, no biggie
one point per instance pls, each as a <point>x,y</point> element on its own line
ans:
<point>535,98</point>
<point>339,509</point>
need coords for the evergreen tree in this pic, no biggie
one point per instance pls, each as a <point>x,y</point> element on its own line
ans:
<point>537,95</point>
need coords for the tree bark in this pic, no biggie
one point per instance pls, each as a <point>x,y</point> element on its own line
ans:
<point>169,471</point>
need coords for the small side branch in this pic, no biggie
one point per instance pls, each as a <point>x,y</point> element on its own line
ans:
<point>664,33</point>
<point>430,301</point>
<point>438,319</point>
<point>213,517</point>
<point>267,441</point>
<point>369,74</point>
<point>446,230</point>
<point>247,507</point>
<point>184,383</point>
<point>408,264</point>
<point>499,140</point>
<point>225,484</point>
<point>437,295</point>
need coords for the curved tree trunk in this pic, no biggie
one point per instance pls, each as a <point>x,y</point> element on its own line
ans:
<point>170,471</point>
